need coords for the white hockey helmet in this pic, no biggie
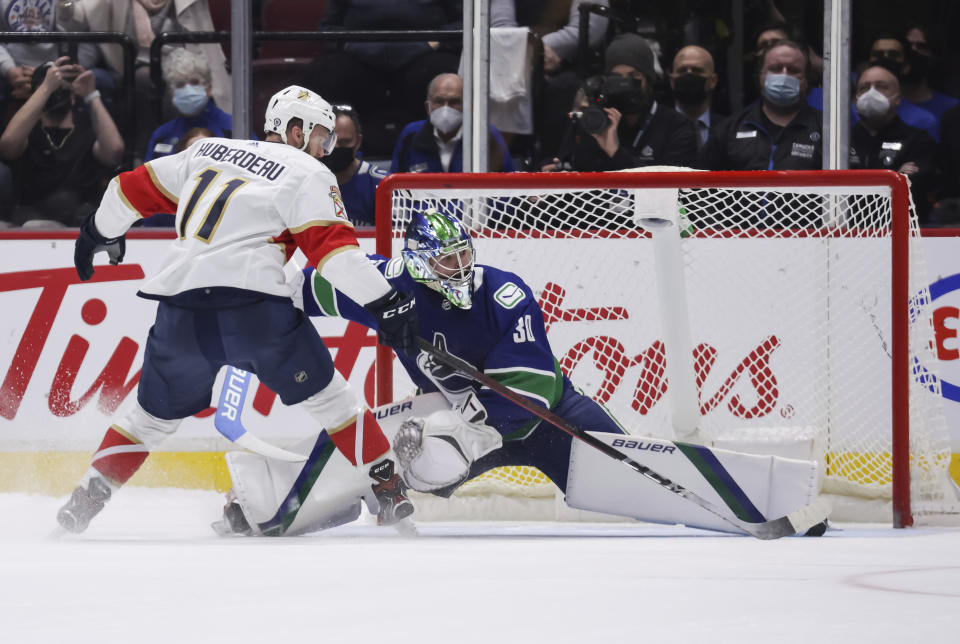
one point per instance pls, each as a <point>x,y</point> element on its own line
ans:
<point>300,102</point>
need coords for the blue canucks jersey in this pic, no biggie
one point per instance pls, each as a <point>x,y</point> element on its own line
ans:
<point>359,194</point>
<point>502,335</point>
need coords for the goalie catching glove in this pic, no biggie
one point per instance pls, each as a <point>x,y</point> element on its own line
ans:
<point>397,321</point>
<point>437,451</point>
<point>90,242</point>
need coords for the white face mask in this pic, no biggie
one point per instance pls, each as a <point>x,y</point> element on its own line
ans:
<point>446,119</point>
<point>872,104</point>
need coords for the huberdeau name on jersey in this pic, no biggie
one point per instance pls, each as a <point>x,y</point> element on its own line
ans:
<point>242,158</point>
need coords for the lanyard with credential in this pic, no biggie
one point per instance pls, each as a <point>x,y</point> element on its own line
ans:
<point>653,110</point>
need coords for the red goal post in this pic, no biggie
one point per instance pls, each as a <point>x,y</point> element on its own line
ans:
<point>838,209</point>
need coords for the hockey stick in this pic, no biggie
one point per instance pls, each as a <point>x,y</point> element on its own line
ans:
<point>227,419</point>
<point>798,521</point>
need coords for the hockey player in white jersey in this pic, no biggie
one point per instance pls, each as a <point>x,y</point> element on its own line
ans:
<point>242,209</point>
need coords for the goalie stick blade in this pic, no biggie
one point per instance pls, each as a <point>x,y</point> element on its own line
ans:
<point>796,522</point>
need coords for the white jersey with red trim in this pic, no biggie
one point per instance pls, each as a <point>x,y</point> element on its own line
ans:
<point>242,207</point>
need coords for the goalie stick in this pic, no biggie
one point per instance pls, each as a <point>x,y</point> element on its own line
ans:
<point>227,419</point>
<point>799,521</point>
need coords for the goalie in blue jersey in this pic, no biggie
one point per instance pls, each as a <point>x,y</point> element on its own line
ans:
<point>489,318</point>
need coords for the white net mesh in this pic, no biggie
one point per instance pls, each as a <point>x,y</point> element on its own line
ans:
<point>787,304</point>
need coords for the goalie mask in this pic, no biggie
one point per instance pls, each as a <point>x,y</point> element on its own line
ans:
<point>438,252</point>
<point>299,102</point>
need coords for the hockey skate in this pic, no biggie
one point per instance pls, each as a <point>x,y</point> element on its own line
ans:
<point>391,493</point>
<point>818,530</point>
<point>233,521</point>
<point>83,505</point>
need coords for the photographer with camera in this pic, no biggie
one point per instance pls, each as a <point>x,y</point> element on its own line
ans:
<point>62,145</point>
<point>618,124</point>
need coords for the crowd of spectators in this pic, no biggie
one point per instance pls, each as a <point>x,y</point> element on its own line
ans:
<point>623,98</point>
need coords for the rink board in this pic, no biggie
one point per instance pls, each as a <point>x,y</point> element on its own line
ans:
<point>71,354</point>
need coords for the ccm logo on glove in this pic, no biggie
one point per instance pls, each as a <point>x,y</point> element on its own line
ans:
<point>400,310</point>
<point>397,322</point>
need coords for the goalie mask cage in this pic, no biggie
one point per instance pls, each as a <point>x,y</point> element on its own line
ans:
<point>788,308</point>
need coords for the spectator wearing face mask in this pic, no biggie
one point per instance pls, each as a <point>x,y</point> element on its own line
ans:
<point>693,80</point>
<point>778,132</point>
<point>881,140</point>
<point>188,80</point>
<point>918,71</point>
<point>638,130</point>
<point>62,145</point>
<point>893,51</point>
<point>436,144</point>
<point>357,179</point>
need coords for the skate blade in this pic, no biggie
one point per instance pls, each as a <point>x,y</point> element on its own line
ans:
<point>58,533</point>
<point>406,527</point>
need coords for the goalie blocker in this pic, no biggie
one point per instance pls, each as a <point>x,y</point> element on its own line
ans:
<point>283,498</point>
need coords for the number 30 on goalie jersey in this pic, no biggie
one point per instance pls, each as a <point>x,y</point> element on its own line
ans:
<point>524,332</point>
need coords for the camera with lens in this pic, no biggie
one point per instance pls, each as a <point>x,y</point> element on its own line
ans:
<point>620,92</point>
<point>68,49</point>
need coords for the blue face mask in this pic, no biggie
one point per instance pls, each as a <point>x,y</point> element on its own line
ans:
<point>781,90</point>
<point>190,99</point>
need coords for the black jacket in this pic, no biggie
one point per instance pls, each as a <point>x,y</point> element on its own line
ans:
<point>749,141</point>
<point>897,143</point>
<point>666,138</point>
<point>948,152</point>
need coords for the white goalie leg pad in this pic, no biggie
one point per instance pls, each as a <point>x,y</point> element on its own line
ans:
<point>335,404</point>
<point>262,485</point>
<point>753,487</point>
<point>437,451</point>
<point>806,442</point>
<point>265,489</point>
<point>147,428</point>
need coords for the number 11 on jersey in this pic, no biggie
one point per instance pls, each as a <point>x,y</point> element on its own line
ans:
<point>212,219</point>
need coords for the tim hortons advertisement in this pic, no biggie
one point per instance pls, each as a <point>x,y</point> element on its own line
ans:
<point>943,268</point>
<point>71,351</point>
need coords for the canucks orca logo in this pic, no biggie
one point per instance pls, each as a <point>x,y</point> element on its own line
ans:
<point>448,381</point>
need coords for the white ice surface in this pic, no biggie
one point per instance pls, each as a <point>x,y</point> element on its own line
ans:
<point>149,569</point>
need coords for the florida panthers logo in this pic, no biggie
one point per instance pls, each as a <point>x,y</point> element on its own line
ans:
<point>338,209</point>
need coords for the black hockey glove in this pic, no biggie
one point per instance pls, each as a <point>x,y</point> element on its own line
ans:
<point>397,321</point>
<point>90,242</point>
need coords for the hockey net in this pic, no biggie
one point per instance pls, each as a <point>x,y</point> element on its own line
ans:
<point>801,300</point>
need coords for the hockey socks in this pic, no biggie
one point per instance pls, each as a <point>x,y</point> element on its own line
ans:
<point>119,456</point>
<point>372,443</point>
